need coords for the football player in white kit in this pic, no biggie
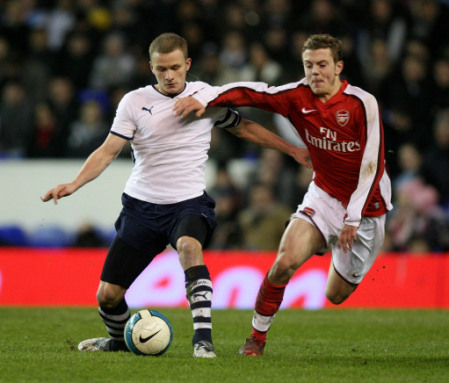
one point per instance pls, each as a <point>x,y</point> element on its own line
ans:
<point>164,201</point>
<point>346,202</point>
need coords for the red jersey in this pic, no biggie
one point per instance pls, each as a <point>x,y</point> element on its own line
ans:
<point>343,135</point>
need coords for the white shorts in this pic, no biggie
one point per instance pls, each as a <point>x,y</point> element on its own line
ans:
<point>327,214</point>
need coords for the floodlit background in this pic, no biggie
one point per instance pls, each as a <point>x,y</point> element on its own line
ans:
<point>65,65</point>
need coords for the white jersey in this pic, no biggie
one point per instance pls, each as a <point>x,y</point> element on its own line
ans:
<point>169,151</point>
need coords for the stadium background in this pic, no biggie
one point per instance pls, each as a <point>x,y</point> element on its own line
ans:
<point>64,65</point>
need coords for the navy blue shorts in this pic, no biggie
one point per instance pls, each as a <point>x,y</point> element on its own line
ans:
<point>151,227</point>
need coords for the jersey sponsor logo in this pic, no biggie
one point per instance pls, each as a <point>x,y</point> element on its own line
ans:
<point>307,111</point>
<point>148,110</point>
<point>342,117</point>
<point>326,144</point>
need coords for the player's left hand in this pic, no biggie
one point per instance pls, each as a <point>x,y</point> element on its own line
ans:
<point>186,105</point>
<point>347,237</point>
<point>302,156</point>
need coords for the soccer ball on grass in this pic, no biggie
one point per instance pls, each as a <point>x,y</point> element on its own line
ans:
<point>148,332</point>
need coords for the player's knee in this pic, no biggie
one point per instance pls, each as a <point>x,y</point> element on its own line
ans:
<point>189,250</point>
<point>282,270</point>
<point>107,297</point>
<point>336,298</point>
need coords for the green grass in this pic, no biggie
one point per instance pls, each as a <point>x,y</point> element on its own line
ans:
<point>40,345</point>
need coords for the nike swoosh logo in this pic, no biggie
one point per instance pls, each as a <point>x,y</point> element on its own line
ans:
<point>143,340</point>
<point>307,111</point>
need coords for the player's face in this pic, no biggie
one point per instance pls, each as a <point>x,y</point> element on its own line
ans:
<point>170,70</point>
<point>322,72</point>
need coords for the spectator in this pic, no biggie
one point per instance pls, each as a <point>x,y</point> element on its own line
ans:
<point>14,28</point>
<point>44,142</point>
<point>440,88</point>
<point>429,23</point>
<point>302,179</point>
<point>273,171</point>
<point>276,41</point>
<point>88,132</point>
<point>10,65</point>
<point>233,53</point>
<point>228,201</point>
<point>16,113</point>
<point>324,17</point>
<point>378,67</point>
<point>385,21</point>
<point>60,20</point>
<point>260,67</point>
<point>114,67</point>
<point>417,215</point>
<point>409,164</point>
<point>408,91</point>
<point>76,59</point>
<point>61,98</point>
<point>293,71</point>
<point>353,66</point>
<point>37,66</point>
<point>263,222</point>
<point>212,71</point>
<point>436,158</point>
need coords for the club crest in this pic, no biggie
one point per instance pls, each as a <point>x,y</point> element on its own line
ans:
<point>342,117</point>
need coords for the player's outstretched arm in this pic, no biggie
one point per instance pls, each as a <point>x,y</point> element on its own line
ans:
<point>253,132</point>
<point>92,168</point>
<point>186,105</point>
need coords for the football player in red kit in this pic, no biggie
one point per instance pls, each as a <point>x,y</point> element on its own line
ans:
<point>345,206</point>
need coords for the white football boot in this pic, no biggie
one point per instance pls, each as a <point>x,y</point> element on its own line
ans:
<point>203,349</point>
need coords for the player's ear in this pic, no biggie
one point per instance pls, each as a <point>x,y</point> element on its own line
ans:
<point>188,63</point>
<point>338,67</point>
<point>151,67</point>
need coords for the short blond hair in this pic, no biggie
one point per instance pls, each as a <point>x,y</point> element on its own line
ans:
<point>167,43</point>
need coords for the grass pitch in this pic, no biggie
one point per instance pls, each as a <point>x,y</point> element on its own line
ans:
<point>40,345</point>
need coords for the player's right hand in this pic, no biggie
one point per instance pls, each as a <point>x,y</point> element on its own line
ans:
<point>59,191</point>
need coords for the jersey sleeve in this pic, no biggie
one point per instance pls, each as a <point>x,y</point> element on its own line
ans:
<point>256,94</point>
<point>123,124</point>
<point>372,165</point>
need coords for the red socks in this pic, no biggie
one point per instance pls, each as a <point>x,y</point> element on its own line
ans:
<point>269,298</point>
<point>268,301</point>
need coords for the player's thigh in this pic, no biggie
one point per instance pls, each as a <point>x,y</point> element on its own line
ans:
<point>299,242</point>
<point>353,265</point>
<point>124,263</point>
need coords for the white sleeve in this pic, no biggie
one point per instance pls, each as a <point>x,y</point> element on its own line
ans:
<point>369,165</point>
<point>123,124</point>
<point>287,131</point>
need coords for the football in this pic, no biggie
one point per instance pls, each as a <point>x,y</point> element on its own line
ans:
<point>148,332</point>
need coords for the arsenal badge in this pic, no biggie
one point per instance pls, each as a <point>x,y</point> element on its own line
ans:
<point>342,117</point>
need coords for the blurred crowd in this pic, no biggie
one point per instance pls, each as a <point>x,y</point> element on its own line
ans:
<point>65,65</point>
